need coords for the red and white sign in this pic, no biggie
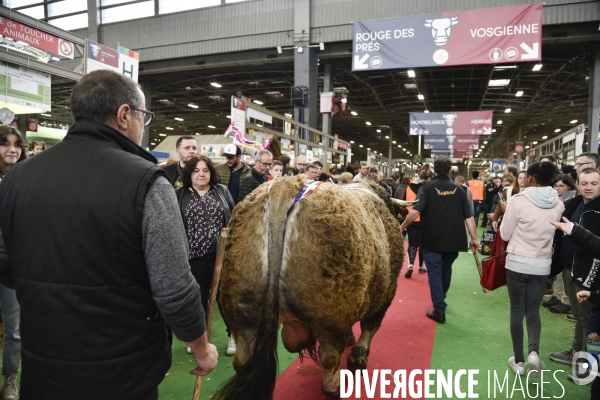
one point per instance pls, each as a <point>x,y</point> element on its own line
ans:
<point>32,126</point>
<point>519,147</point>
<point>35,37</point>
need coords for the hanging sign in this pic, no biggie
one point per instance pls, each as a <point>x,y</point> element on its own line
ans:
<point>485,36</point>
<point>24,87</point>
<point>36,38</point>
<point>451,123</point>
<point>439,142</point>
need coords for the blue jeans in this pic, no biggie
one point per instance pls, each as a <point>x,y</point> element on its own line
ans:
<point>476,211</point>
<point>439,273</point>
<point>11,314</point>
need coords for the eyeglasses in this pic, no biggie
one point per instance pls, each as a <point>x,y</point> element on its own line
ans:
<point>579,164</point>
<point>264,163</point>
<point>8,145</point>
<point>148,115</point>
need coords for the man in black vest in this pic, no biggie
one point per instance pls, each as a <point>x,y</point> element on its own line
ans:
<point>186,147</point>
<point>444,209</point>
<point>95,247</point>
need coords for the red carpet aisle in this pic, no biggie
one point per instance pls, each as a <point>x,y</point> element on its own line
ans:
<point>405,341</point>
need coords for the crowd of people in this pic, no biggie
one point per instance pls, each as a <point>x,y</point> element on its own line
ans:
<point>133,261</point>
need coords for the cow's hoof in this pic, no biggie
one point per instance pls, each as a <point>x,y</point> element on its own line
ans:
<point>350,340</point>
<point>357,359</point>
<point>331,392</point>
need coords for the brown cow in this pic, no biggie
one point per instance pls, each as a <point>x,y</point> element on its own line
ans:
<point>318,266</point>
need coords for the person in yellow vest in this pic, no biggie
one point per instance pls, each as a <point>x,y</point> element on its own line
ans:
<point>414,229</point>
<point>476,187</point>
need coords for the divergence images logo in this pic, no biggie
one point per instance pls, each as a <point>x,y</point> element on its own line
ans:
<point>584,368</point>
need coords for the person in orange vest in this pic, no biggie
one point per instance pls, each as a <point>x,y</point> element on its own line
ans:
<point>412,190</point>
<point>476,187</point>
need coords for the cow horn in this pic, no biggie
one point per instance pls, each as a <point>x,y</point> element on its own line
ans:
<point>402,203</point>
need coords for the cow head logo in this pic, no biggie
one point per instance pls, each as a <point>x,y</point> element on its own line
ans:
<point>441,29</point>
<point>450,119</point>
<point>95,49</point>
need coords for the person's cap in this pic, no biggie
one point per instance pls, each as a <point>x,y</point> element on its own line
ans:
<point>373,170</point>
<point>231,150</point>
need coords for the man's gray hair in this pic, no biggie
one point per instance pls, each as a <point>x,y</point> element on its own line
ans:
<point>592,157</point>
<point>459,179</point>
<point>99,94</point>
<point>263,152</point>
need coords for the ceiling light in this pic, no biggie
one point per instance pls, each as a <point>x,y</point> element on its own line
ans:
<point>426,111</point>
<point>393,141</point>
<point>507,110</point>
<point>368,123</point>
<point>354,113</point>
<point>557,130</point>
<point>420,97</point>
<point>533,142</point>
<point>48,115</point>
<point>498,82</point>
<point>574,121</point>
<point>519,93</point>
<point>368,148</point>
<point>260,103</point>
<point>196,133</point>
<point>162,134</point>
<point>193,105</point>
<point>499,122</point>
<point>399,146</point>
<point>360,145</point>
<point>526,147</point>
<point>352,141</point>
<point>544,137</point>
<point>411,86</point>
<point>228,116</point>
<point>211,127</point>
<point>300,49</point>
<point>537,67</point>
<point>169,128</point>
<point>178,119</point>
<point>411,73</point>
<point>499,67</point>
<point>344,100</point>
<point>259,125</point>
<point>215,84</point>
<point>482,146</point>
<point>379,131</point>
<point>494,130</point>
<point>485,142</point>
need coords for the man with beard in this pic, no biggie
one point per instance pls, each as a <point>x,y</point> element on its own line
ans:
<point>233,171</point>
<point>186,147</point>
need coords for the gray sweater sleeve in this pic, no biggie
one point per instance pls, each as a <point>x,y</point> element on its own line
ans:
<point>174,289</point>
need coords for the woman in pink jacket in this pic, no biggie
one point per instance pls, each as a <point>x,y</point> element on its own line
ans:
<point>529,235</point>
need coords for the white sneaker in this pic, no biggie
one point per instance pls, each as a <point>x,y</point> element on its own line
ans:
<point>10,391</point>
<point>518,368</point>
<point>189,350</point>
<point>534,365</point>
<point>231,346</point>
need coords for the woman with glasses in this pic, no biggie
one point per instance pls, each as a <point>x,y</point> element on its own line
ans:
<point>12,151</point>
<point>206,209</point>
<point>565,187</point>
<point>11,148</point>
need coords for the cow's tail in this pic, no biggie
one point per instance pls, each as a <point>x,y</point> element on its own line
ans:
<point>256,378</point>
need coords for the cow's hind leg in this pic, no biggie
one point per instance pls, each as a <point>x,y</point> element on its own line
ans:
<point>330,353</point>
<point>369,326</point>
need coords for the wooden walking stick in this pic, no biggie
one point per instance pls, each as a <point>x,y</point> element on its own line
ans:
<point>211,302</point>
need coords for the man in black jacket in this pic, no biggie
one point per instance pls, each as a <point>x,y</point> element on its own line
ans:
<point>186,147</point>
<point>106,230</point>
<point>258,175</point>
<point>579,267</point>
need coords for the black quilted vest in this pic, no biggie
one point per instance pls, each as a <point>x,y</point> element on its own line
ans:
<point>71,218</point>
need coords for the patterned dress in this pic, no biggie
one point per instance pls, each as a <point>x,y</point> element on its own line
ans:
<point>199,231</point>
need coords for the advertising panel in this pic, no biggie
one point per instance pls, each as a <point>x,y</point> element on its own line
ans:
<point>485,36</point>
<point>24,87</point>
<point>451,123</point>
<point>238,113</point>
<point>439,142</point>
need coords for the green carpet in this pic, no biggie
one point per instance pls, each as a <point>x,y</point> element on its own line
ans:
<point>179,384</point>
<point>477,336</point>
